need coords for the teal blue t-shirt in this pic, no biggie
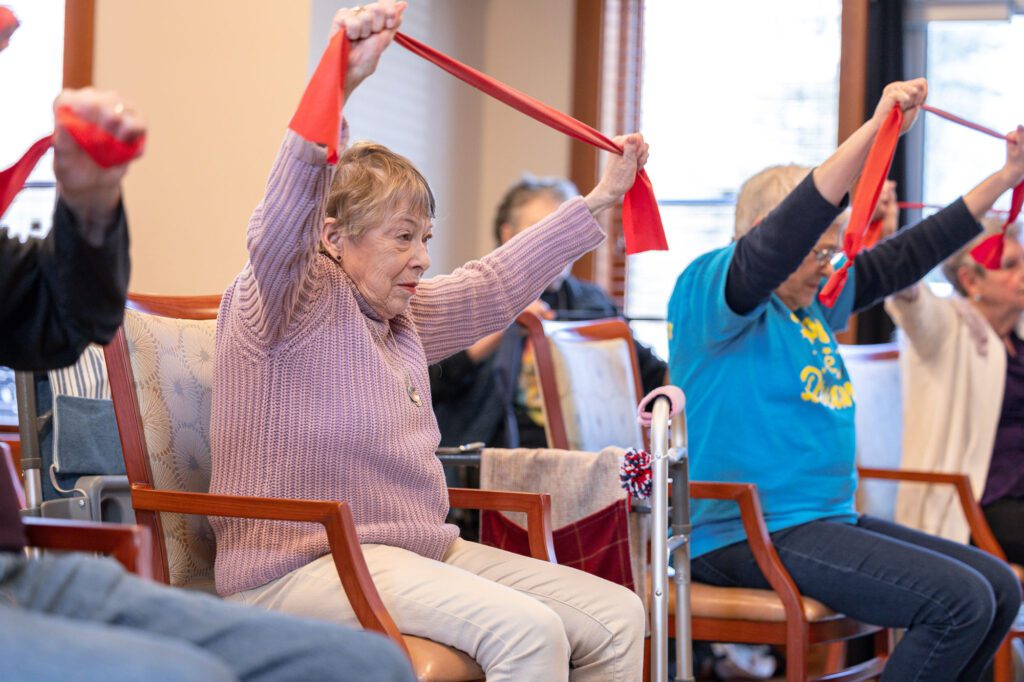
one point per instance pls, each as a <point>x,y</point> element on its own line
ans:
<point>768,401</point>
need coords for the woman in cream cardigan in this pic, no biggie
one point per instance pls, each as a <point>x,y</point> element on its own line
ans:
<point>962,370</point>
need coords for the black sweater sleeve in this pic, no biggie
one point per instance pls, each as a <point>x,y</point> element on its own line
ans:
<point>61,293</point>
<point>772,251</point>
<point>910,254</point>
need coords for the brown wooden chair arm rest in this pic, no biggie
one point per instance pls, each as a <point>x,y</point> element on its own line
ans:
<point>981,532</point>
<point>335,517</point>
<point>130,545</point>
<point>536,506</point>
<point>745,495</point>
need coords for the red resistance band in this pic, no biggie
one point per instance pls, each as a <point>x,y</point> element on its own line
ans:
<point>858,232</point>
<point>105,149</point>
<point>641,221</point>
<point>989,253</point>
<point>8,22</point>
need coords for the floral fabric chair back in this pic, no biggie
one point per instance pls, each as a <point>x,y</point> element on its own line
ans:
<point>172,363</point>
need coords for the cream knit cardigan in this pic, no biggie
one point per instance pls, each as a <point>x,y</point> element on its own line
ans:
<point>952,372</point>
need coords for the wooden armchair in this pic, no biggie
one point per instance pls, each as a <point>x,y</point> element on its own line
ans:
<point>981,535</point>
<point>130,545</point>
<point>580,418</point>
<point>168,463</point>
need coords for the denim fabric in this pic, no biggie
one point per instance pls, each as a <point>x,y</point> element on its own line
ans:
<point>75,617</point>
<point>956,602</point>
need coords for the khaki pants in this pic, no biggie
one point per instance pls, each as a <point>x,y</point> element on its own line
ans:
<point>519,618</point>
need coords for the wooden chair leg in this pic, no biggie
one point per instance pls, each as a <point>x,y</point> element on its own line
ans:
<point>796,662</point>
<point>835,657</point>
<point>647,659</point>
<point>1003,665</point>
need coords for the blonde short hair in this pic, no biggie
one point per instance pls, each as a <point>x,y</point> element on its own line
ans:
<point>991,225</point>
<point>372,182</point>
<point>760,194</point>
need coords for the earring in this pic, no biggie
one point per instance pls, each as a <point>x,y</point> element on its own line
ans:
<point>976,298</point>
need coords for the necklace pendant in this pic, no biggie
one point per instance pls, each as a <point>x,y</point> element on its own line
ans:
<point>414,395</point>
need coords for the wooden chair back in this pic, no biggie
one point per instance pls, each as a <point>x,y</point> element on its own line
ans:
<point>590,382</point>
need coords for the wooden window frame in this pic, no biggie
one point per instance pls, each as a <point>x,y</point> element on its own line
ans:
<point>607,265</point>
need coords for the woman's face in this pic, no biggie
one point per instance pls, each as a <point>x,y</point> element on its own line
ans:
<point>387,261</point>
<point>1002,290</point>
<point>800,288</point>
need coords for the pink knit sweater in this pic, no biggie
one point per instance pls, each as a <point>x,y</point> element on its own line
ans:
<point>310,397</point>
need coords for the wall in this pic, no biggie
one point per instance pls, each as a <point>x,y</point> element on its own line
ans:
<point>530,47</point>
<point>218,86</point>
<point>219,81</point>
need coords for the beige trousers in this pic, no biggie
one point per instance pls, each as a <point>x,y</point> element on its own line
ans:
<point>519,618</point>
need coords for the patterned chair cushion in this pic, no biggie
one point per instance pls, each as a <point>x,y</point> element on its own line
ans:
<point>597,393</point>
<point>172,361</point>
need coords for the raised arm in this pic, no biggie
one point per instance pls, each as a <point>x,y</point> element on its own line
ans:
<point>68,290</point>
<point>284,230</point>
<point>772,251</point>
<point>484,296</point>
<point>906,257</point>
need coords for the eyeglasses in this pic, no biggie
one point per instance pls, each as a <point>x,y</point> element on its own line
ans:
<point>826,254</point>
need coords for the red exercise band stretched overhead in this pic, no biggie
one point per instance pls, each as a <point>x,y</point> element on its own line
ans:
<point>861,235</point>
<point>105,149</point>
<point>641,221</point>
<point>989,253</point>
<point>876,169</point>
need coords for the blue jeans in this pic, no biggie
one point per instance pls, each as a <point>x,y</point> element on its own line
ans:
<point>956,602</point>
<point>76,617</point>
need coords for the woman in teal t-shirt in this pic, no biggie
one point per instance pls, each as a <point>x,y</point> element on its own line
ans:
<point>769,402</point>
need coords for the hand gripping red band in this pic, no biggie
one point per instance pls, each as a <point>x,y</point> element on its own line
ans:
<point>641,221</point>
<point>876,169</point>
<point>105,149</point>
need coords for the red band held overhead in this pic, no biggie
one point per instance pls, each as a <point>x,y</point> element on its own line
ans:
<point>876,169</point>
<point>318,119</point>
<point>102,147</point>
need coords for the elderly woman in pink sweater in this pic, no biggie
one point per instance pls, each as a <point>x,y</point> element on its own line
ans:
<point>321,392</point>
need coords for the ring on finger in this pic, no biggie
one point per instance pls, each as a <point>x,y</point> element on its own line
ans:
<point>119,109</point>
<point>357,10</point>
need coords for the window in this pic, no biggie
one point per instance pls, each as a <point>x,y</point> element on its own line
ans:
<point>972,68</point>
<point>728,89</point>
<point>31,73</point>
<point>969,58</point>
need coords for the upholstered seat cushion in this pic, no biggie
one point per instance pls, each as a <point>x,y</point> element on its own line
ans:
<point>435,662</point>
<point>741,603</point>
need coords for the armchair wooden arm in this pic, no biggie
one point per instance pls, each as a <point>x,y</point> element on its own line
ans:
<point>536,506</point>
<point>130,545</point>
<point>335,517</point>
<point>981,533</point>
<point>745,495</point>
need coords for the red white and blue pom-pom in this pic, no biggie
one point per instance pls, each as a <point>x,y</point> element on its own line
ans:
<point>635,473</point>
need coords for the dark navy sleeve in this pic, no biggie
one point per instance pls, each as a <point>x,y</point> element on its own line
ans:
<point>61,293</point>
<point>910,254</point>
<point>773,250</point>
